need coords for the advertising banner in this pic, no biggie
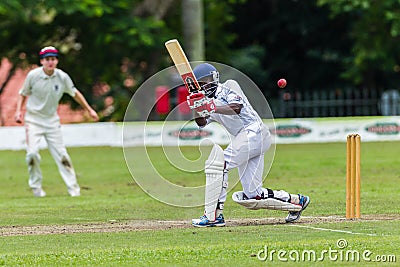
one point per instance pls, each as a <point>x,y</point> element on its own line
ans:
<point>186,133</point>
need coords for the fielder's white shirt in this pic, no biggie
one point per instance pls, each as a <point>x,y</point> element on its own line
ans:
<point>44,93</point>
<point>231,93</point>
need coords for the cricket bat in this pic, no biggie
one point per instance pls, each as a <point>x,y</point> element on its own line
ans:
<point>182,65</point>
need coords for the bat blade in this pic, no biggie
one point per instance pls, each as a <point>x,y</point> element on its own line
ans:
<point>182,65</point>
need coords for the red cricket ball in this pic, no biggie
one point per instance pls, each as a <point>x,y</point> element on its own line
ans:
<point>282,83</point>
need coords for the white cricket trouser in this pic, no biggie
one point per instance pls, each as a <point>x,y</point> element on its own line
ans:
<point>246,152</point>
<point>54,140</point>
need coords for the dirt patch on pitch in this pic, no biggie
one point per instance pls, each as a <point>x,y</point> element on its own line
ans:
<point>136,225</point>
<point>312,220</point>
<point>143,225</point>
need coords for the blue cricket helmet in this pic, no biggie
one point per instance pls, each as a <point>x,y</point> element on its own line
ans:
<point>207,70</point>
<point>204,70</point>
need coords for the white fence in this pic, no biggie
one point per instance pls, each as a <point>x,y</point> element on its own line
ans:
<point>182,133</point>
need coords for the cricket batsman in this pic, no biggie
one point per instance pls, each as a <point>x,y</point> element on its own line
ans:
<point>226,104</point>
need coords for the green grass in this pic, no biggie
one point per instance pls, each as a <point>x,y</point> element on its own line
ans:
<point>110,194</point>
<point>198,247</point>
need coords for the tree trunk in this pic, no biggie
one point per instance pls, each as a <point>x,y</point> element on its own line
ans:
<point>193,29</point>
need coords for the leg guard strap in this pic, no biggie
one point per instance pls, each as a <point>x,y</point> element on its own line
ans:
<point>265,203</point>
<point>270,193</point>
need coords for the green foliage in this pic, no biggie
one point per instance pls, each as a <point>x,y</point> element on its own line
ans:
<point>218,15</point>
<point>248,60</point>
<point>299,43</point>
<point>375,34</point>
<point>108,47</point>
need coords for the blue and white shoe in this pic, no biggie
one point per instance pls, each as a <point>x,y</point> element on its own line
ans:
<point>295,215</point>
<point>205,222</point>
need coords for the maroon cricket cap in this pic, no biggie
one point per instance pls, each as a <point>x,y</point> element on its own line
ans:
<point>48,51</point>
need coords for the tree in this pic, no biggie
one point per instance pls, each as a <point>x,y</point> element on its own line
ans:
<point>108,47</point>
<point>291,39</point>
<point>375,35</point>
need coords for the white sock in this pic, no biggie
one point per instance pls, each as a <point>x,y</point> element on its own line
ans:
<point>220,209</point>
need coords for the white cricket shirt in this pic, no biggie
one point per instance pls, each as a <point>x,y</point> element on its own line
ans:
<point>44,93</point>
<point>231,93</point>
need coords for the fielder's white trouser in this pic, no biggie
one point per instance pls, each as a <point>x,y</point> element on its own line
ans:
<point>246,152</point>
<point>54,140</point>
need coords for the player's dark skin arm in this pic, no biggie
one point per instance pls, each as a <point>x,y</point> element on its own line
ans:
<point>200,121</point>
<point>230,109</point>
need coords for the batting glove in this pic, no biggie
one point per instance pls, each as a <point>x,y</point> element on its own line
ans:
<point>196,100</point>
<point>207,108</point>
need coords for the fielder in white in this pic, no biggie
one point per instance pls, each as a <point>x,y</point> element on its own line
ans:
<point>226,104</point>
<point>44,87</point>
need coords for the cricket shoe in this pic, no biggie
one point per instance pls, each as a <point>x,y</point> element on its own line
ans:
<point>295,215</point>
<point>74,192</point>
<point>205,222</point>
<point>38,192</point>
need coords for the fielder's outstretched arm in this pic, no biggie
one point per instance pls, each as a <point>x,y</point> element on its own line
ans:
<point>20,104</point>
<point>80,99</point>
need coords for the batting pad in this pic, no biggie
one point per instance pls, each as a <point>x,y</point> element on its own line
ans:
<point>214,169</point>
<point>267,203</point>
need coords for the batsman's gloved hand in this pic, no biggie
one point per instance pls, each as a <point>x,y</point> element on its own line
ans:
<point>207,108</point>
<point>196,100</point>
